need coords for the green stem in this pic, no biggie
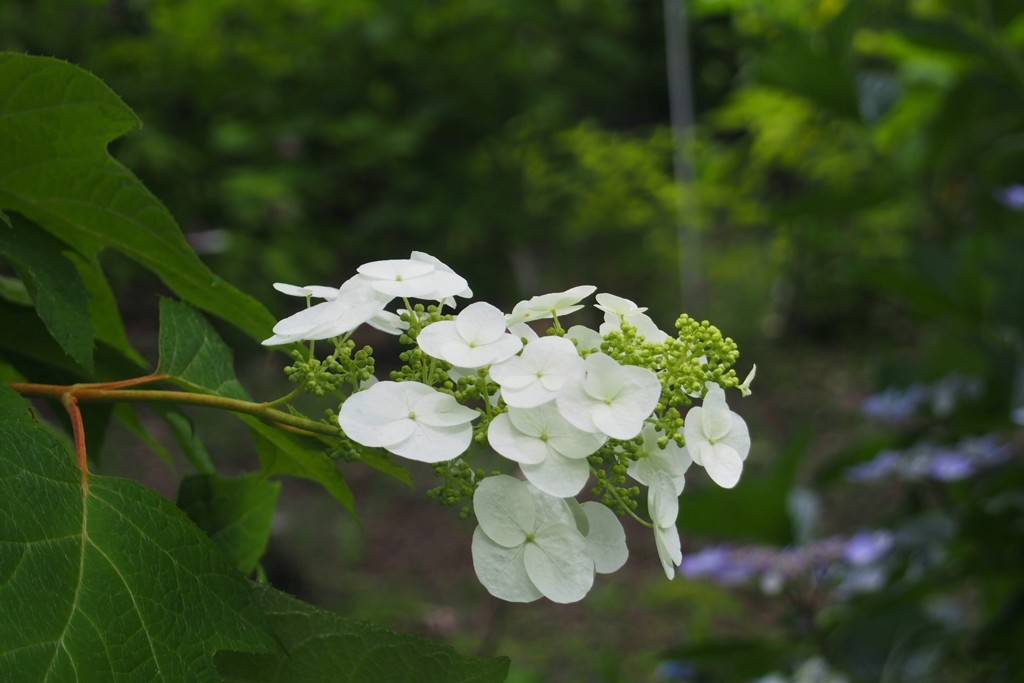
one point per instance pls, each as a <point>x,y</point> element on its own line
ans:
<point>625,504</point>
<point>284,399</point>
<point>85,393</point>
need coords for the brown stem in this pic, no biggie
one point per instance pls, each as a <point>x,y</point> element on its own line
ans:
<point>70,404</point>
<point>97,393</point>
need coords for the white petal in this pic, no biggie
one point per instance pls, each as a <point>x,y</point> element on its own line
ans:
<point>558,475</point>
<point>616,305</point>
<point>670,550</point>
<point>586,339</point>
<point>435,444</point>
<point>395,270</point>
<point>662,502</point>
<point>481,323</point>
<point>606,539</point>
<point>508,441</point>
<point>716,417</point>
<point>576,405</point>
<point>435,337</point>
<point>502,570</point>
<point>442,410</point>
<point>441,266</point>
<point>558,565</point>
<point>550,509</point>
<point>377,416</point>
<point>738,437</point>
<point>693,434</point>
<point>505,509</point>
<point>725,466</point>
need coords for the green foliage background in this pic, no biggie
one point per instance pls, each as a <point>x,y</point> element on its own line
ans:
<point>849,160</point>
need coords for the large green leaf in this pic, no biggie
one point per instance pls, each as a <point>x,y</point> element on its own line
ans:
<point>235,512</point>
<point>322,646</point>
<point>102,579</point>
<point>53,282</point>
<point>55,123</point>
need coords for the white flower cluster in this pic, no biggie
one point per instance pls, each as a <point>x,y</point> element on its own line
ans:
<point>549,404</point>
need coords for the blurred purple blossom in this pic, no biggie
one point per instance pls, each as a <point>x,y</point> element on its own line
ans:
<point>831,560</point>
<point>867,547</point>
<point>928,461</point>
<point>895,405</point>
<point>1011,196</point>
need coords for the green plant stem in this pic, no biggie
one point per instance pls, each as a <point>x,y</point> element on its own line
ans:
<point>86,393</point>
<point>625,506</point>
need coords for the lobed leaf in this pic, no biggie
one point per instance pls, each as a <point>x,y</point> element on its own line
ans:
<point>322,646</point>
<point>55,123</point>
<point>103,579</point>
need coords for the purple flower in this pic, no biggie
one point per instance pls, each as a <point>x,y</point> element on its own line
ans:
<point>867,547</point>
<point>950,466</point>
<point>1011,196</point>
<point>884,464</point>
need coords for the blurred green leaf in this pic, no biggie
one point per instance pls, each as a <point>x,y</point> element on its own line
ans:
<point>322,646</point>
<point>107,577</point>
<point>756,510</point>
<point>55,123</point>
<point>236,513</point>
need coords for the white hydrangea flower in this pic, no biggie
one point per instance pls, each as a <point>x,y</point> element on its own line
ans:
<point>609,398</point>
<point>476,338</point>
<point>550,451</point>
<point>352,305</point>
<point>663,506</point>
<point>549,305</point>
<point>617,309</point>
<point>717,438</point>
<point>417,279</point>
<point>674,460</point>
<point>538,374</point>
<point>527,544</point>
<point>466,293</point>
<point>409,419</point>
<point>314,291</point>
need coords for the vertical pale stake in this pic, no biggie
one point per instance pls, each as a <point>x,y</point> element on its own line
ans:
<point>680,91</point>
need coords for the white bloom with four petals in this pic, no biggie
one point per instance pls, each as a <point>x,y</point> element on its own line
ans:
<point>539,373</point>
<point>476,338</point>
<point>413,278</point>
<point>409,419</point>
<point>717,438</point>
<point>609,398</point>
<point>551,452</point>
<point>528,544</point>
